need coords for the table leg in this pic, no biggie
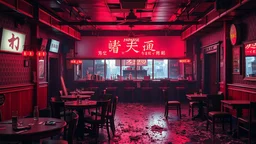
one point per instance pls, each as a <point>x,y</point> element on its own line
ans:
<point>200,111</point>
<point>80,125</point>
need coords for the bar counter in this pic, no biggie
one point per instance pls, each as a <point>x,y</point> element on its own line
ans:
<point>140,90</point>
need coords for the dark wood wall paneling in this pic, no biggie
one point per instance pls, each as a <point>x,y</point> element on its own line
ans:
<point>18,98</point>
<point>15,79</point>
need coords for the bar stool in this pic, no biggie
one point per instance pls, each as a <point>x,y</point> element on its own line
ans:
<point>110,88</point>
<point>180,93</point>
<point>129,88</point>
<point>164,85</point>
<point>146,89</point>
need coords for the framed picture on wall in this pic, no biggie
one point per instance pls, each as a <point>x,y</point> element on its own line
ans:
<point>236,60</point>
<point>41,69</point>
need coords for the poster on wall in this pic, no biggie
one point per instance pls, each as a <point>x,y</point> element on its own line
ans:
<point>236,60</point>
<point>41,68</point>
<point>12,41</point>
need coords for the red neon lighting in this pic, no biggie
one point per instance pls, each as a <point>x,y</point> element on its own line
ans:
<point>233,34</point>
<point>185,61</point>
<point>28,53</point>
<point>41,53</point>
<point>129,48</point>
<point>76,61</point>
<point>250,49</point>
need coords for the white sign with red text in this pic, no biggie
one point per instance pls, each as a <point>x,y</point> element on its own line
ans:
<point>12,41</point>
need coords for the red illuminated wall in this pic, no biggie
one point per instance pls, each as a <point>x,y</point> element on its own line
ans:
<point>15,79</point>
<point>12,70</point>
<point>98,47</point>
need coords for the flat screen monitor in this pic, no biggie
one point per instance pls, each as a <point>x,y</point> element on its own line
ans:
<point>54,46</point>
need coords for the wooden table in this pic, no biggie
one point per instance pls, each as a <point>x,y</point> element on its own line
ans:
<point>38,129</point>
<point>238,105</point>
<point>83,92</point>
<point>80,107</point>
<point>73,97</point>
<point>200,98</point>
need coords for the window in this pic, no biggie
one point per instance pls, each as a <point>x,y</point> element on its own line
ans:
<point>87,67</point>
<point>99,67</point>
<point>144,68</point>
<point>112,69</point>
<point>160,69</point>
<point>250,66</point>
<point>174,69</point>
<point>128,67</point>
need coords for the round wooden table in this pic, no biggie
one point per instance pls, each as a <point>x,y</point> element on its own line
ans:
<point>73,97</point>
<point>38,129</point>
<point>83,92</point>
<point>83,104</point>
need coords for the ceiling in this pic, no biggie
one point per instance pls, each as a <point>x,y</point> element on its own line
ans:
<point>82,14</point>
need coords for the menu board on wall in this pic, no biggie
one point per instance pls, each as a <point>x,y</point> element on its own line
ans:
<point>236,60</point>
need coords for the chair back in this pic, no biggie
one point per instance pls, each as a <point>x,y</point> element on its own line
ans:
<point>102,108</point>
<point>145,83</point>
<point>214,102</point>
<point>56,107</point>
<point>72,125</point>
<point>112,108</point>
<point>165,96</point>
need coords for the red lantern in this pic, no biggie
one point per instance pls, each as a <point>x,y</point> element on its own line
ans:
<point>28,53</point>
<point>41,53</point>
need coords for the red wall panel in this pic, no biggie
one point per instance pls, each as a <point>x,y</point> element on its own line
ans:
<point>42,96</point>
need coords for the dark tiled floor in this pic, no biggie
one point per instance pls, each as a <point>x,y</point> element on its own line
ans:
<point>145,124</point>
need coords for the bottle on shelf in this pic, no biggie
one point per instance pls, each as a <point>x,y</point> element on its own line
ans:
<point>130,76</point>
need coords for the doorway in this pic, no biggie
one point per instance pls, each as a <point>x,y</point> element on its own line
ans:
<point>54,78</point>
<point>211,74</point>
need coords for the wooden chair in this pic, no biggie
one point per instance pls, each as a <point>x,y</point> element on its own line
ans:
<point>58,108</point>
<point>164,85</point>
<point>98,119</point>
<point>170,105</point>
<point>248,124</point>
<point>214,115</point>
<point>192,105</point>
<point>111,114</point>
<point>72,124</point>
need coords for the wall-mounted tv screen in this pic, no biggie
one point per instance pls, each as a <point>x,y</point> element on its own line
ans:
<point>54,46</point>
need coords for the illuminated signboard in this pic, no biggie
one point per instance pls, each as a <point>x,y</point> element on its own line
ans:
<point>12,41</point>
<point>140,62</point>
<point>233,34</point>
<point>123,47</point>
<point>54,46</point>
<point>185,61</point>
<point>250,49</point>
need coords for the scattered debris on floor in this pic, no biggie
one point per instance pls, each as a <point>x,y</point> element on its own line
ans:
<point>145,124</point>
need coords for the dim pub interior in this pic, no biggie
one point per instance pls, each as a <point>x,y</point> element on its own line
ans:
<point>127,71</point>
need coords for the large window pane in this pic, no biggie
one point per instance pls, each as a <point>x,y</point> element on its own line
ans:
<point>144,68</point>
<point>113,69</point>
<point>87,69</point>
<point>250,66</point>
<point>128,68</point>
<point>160,69</point>
<point>174,69</point>
<point>99,67</point>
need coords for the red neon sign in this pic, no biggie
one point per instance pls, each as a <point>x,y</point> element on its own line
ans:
<point>250,49</point>
<point>129,48</point>
<point>185,61</point>
<point>140,62</point>
<point>233,34</point>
